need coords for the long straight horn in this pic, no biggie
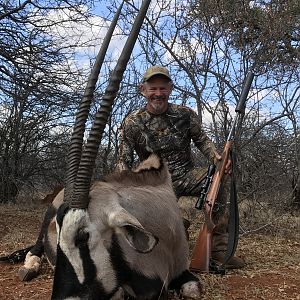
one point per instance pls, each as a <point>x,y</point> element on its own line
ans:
<point>80,197</point>
<point>75,150</point>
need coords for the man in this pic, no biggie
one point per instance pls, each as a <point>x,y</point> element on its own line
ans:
<point>167,130</point>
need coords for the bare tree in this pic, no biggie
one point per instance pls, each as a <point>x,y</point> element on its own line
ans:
<point>209,46</point>
<point>39,88</point>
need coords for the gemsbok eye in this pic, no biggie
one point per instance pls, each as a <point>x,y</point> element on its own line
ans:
<point>81,238</point>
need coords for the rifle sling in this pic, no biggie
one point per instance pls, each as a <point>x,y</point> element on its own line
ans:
<point>233,223</point>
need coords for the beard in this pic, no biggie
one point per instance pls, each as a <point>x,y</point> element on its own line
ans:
<point>158,105</point>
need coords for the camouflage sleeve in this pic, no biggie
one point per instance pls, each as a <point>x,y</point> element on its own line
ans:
<point>126,150</point>
<point>200,139</point>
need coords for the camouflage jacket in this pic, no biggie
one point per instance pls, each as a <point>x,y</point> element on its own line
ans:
<point>168,135</point>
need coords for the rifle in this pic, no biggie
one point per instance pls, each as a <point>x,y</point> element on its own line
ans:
<point>201,255</point>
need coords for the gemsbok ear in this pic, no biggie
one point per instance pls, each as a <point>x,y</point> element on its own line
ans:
<point>139,239</point>
<point>133,232</point>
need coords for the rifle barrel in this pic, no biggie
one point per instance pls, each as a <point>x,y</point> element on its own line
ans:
<point>241,105</point>
<point>240,108</point>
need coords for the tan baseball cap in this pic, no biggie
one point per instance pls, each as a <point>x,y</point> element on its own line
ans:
<point>156,70</point>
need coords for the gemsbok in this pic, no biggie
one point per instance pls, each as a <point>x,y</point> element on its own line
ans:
<point>122,237</point>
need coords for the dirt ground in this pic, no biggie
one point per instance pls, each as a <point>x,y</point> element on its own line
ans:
<point>272,270</point>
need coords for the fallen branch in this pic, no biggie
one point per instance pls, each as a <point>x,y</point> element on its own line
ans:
<point>244,232</point>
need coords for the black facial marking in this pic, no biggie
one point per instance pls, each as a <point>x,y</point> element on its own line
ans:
<point>65,283</point>
<point>61,212</point>
<point>81,238</point>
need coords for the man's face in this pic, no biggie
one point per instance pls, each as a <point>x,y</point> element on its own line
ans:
<point>157,91</point>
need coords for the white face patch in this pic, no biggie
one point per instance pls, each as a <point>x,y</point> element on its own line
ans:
<point>105,272</point>
<point>73,221</point>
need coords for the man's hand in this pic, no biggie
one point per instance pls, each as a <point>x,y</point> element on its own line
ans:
<point>228,168</point>
<point>121,166</point>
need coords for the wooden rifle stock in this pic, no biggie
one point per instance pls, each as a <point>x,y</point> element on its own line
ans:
<point>202,251</point>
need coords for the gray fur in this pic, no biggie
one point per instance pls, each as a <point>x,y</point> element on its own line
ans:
<point>145,200</point>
